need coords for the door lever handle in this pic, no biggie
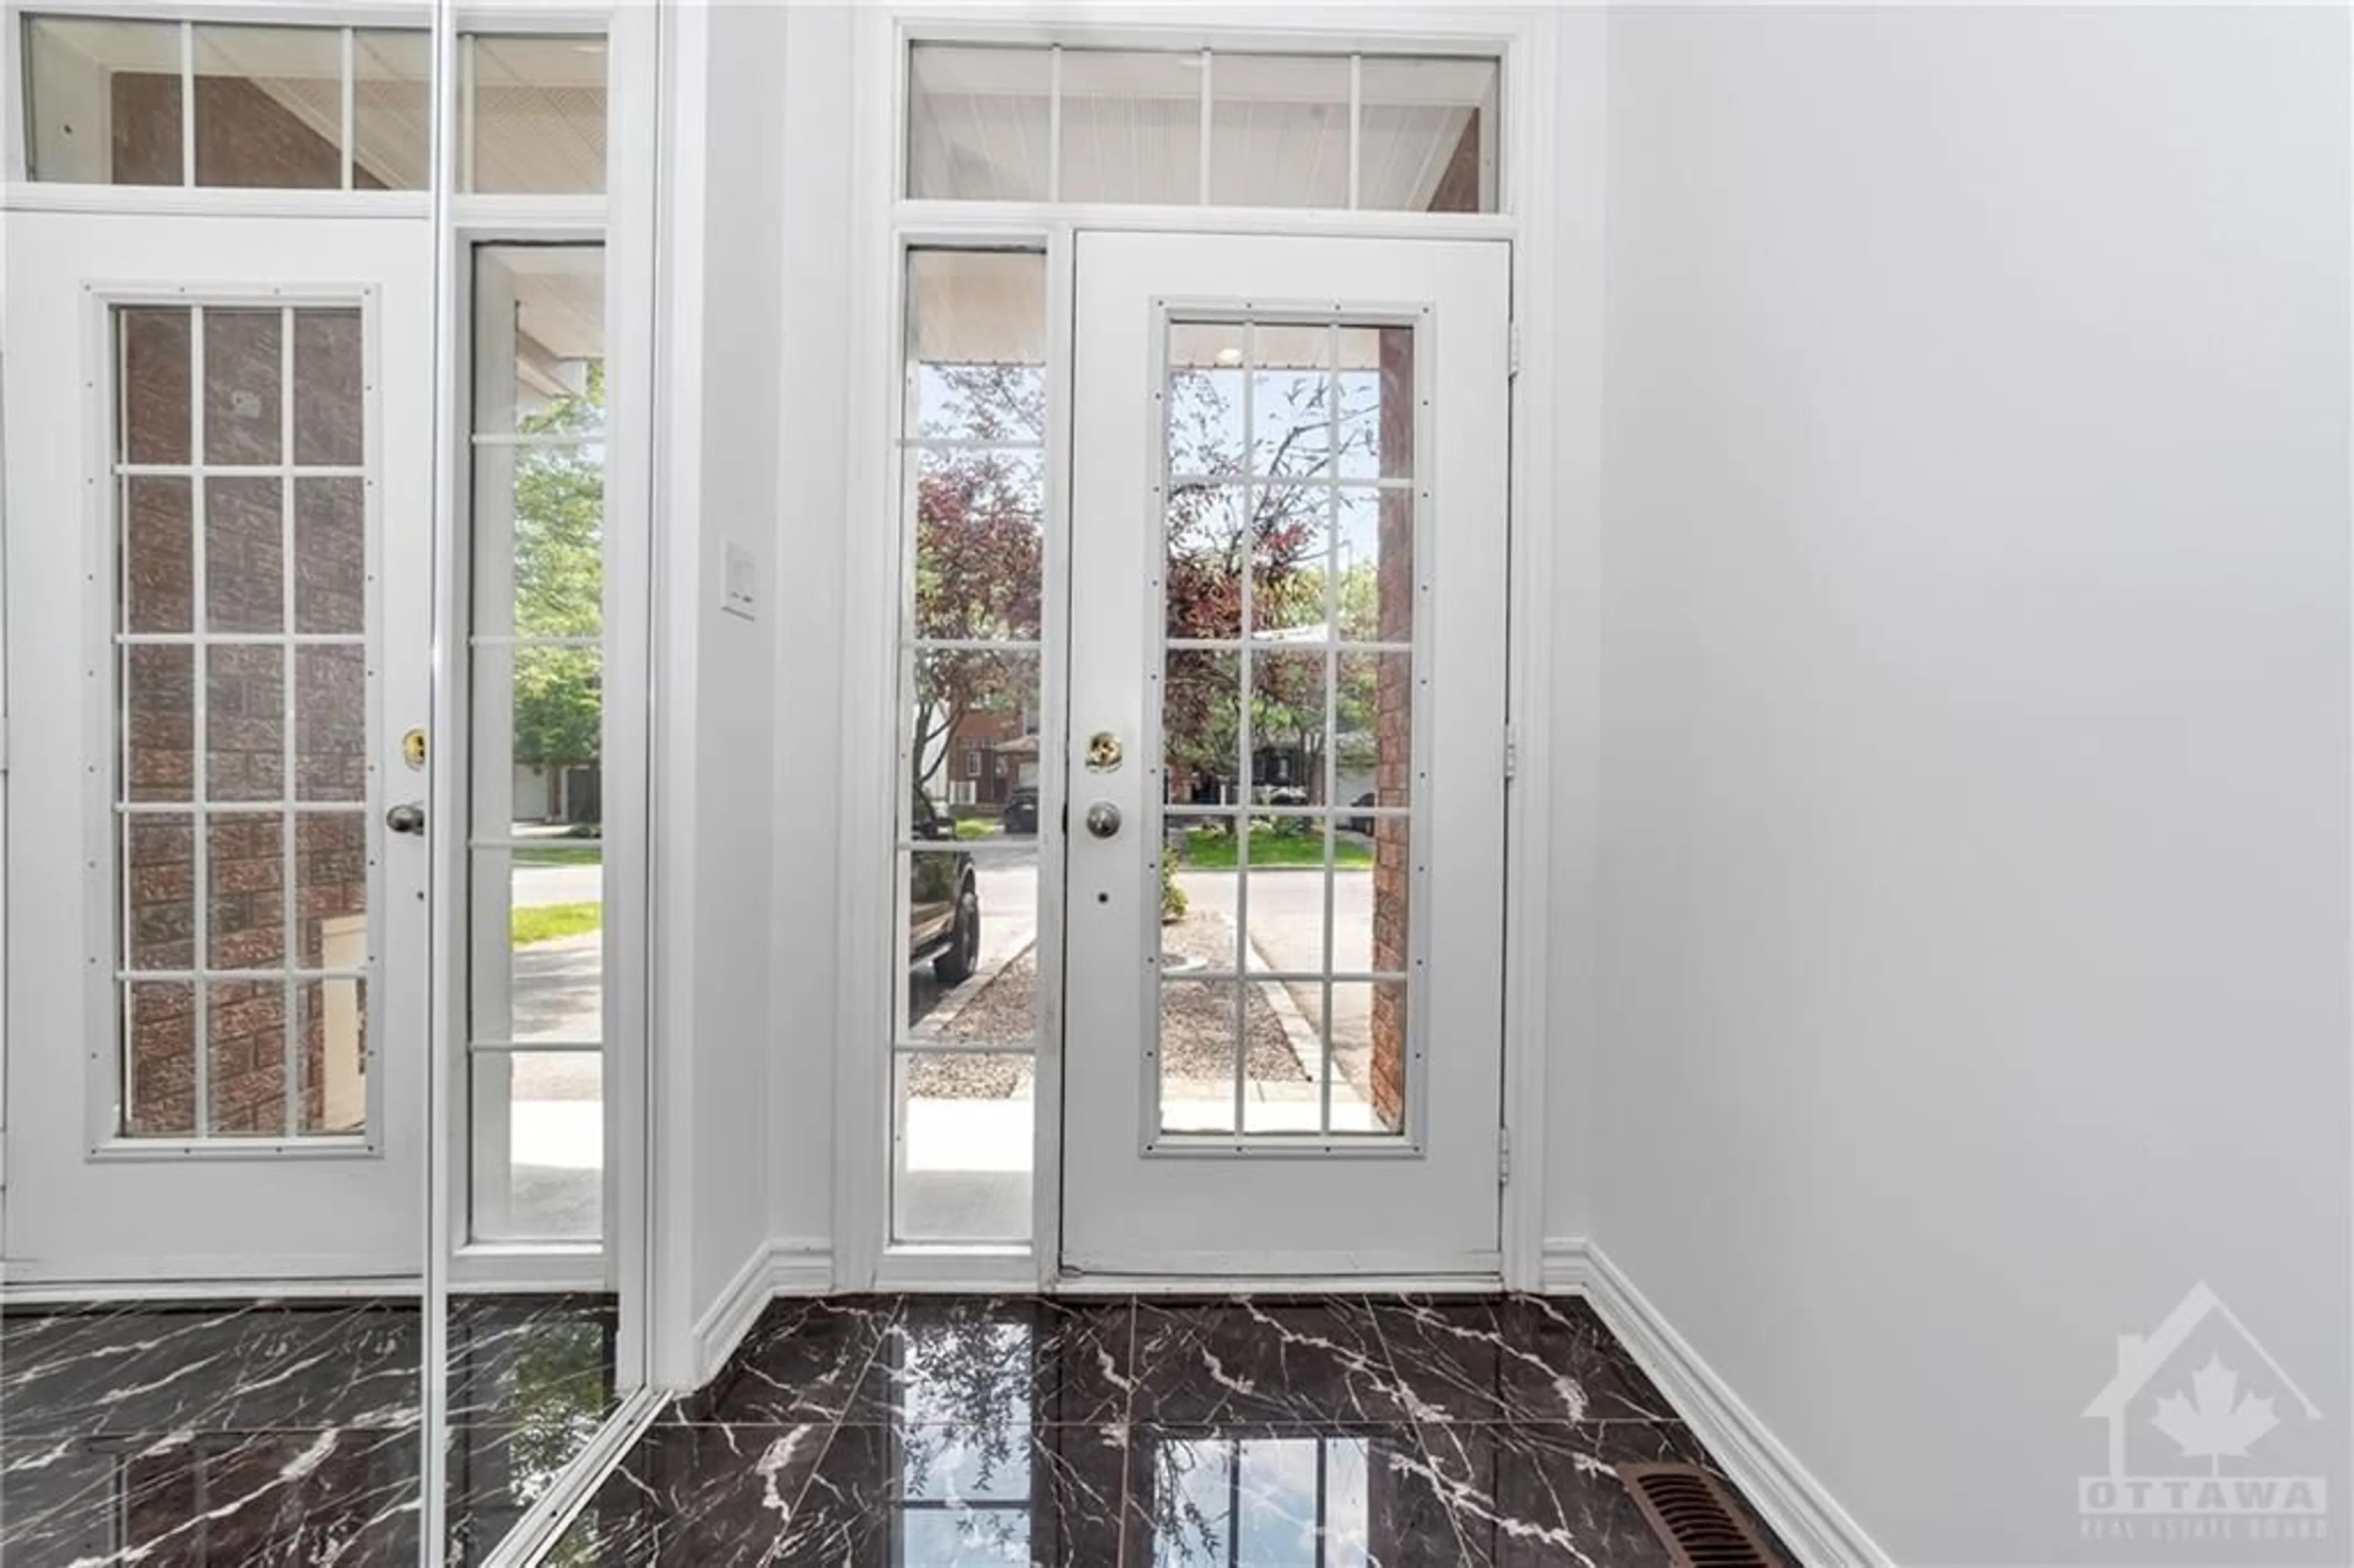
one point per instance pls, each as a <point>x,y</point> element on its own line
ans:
<point>408,817</point>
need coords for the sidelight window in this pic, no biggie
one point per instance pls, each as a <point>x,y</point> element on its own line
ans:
<point>535,852</point>
<point>973,609</point>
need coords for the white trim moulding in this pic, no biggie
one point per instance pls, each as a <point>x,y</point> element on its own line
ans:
<point>1789,1498</point>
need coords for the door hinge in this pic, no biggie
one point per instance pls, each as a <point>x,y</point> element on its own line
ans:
<point>1512,359</point>
<point>1512,752</point>
<point>1504,1157</point>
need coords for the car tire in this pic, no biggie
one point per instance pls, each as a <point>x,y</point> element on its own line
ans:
<point>963,952</point>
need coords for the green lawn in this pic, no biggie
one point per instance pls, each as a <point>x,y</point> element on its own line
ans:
<point>560,854</point>
<point>1213,849</point>
<point>546,922</point>
<point>971,828</point>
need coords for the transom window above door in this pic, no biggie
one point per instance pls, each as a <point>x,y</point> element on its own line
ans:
<point>313,107</point>
<point>1198,127</point>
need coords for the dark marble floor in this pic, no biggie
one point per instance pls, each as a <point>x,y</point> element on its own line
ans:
<point>201,1435</point>
<point>931,1432</point>
<point>531,1379</point>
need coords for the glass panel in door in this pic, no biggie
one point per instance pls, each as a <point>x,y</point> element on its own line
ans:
<point>242,708</point>
<point>1287,711</point>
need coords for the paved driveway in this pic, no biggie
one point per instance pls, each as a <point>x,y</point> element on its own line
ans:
<point>1008,885</point>
<point>535,886</point>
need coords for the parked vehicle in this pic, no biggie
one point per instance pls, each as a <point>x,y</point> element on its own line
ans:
<point>943,901</point>
<point>1020,813</point>
<point>1360,824</point>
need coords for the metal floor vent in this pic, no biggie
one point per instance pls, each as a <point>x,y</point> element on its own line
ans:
<point>1696,1519</point>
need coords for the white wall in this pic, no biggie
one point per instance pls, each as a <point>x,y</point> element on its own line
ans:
<point>716,712</point>
<point>1561,433</point>
<point>1974,743</point>
<point>815,517</point>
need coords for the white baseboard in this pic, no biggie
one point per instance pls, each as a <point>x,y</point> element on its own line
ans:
<point>1807,1517</point>
<point>776,1268</point>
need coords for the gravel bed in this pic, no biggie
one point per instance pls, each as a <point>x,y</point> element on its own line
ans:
<point>1197,1029</point>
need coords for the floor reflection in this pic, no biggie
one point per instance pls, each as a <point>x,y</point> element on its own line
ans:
<point>194,1433</point>
<point>931,1432</point>
<point>531,1379</point>
<point>204,1435</point>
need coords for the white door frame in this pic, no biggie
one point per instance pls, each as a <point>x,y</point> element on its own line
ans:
<point>1538,47</point>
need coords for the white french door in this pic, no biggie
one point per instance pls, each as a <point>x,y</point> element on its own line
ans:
<point>218,555</point>
<point>1282,1038</point>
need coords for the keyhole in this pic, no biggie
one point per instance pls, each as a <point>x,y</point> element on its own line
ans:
<point>1103,897</point>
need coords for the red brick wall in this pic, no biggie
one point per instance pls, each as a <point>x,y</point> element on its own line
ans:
<point>1393,729</point>
<point>244,137</point>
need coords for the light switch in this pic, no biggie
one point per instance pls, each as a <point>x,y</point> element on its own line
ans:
<point>739,577</point>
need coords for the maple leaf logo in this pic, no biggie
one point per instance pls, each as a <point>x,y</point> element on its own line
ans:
<point>2215,1421</point>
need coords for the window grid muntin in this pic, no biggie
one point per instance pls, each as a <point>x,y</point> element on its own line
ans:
<point>352,52</point>
<point>347,131</point>
<point>1489,109</point>
<point>199,811</point>
<point>1251,315</point>
<point>913,444</point>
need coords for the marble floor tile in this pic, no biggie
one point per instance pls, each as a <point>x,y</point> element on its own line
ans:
<point>1548,1495</point>
<point>246,1365</point>
<point>950,1496</point>
<point>531,1381</point>
<point>692,1496</point>
<point>166,1433</point>
<point>342,1494</point>
<point>964,1432</point>
<point>1513,1358</point>
<point>265,1432</point>
<point>804,1360</point>
<point>1208,1497</point>
<point>1261,1360</point>
<point>531,1360</point>
<point>990,1360</point>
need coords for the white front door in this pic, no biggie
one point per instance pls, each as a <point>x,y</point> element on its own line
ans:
<point>219,549</point>
<point>1283,1048</point>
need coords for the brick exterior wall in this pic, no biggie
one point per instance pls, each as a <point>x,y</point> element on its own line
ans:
<point>1393,729</point>
<point>245,743</point>
<point>244,137</point>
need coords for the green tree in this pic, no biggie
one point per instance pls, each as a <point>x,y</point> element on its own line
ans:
<point>559,566</point>
<point>979,553</point>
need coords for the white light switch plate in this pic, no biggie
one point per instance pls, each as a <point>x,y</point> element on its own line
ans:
<point>739,577</point>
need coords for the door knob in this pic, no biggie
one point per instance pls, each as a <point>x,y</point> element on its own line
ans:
<point>405,818</point>
<point>1103,819</point>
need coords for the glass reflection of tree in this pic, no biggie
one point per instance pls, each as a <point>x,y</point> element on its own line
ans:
<point>558,1395</point>
<point>559,578</point>
<point>964,1442</point>
<point>1260,1502</point>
